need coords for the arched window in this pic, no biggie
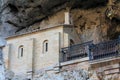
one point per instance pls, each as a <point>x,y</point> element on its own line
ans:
<point>71,42</point>
<point>45,46</point>
<point>20,51</point>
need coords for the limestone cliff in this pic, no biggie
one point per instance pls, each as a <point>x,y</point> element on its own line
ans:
<point>90,17</point>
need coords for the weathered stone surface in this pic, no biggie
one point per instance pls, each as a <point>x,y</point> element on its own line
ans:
<point>88,16</point>
<point>24,13</point>
<point>65,75</point>
<point>9,74</point>
<point>2,74</point>
<point>2,65</point>
<point>27,12</point>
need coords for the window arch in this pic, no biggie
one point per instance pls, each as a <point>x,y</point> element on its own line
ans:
<point>20,51</point>
<point>45,46</point>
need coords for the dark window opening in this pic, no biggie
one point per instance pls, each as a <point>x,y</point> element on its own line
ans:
<point>20,51</point>
<point>46,47</point>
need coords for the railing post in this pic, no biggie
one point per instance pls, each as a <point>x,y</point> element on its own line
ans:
<point>69,53</point>
<point>89,52</point>
<point>119,45</point>
<point>61,56</point>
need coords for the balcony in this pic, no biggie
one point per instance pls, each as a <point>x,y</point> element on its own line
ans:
<point>104,50</point>
<point>74,52</point>
<point>96,52</point>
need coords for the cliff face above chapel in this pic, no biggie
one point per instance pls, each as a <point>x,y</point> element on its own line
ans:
<point>90,17</point>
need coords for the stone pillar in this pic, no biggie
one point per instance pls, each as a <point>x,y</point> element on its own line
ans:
<point>68,18</point>
<point>2,67</point>
<point>30,58</point>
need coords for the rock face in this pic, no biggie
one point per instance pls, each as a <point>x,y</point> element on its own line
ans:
<point>2,74</point>
<point>88,16</point>
<point>76,74</point>
<point>19,14</point>
<point>65,75</point>
<point>2,68</point>
<point>23,13</point>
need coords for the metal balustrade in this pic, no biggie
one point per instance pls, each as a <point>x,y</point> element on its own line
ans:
<point>94,51</point>
<point>75,51</point>
<point>104,50</point>
<point>1,55</point>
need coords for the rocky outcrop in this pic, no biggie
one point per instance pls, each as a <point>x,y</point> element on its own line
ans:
<point>2,67</point>
<point>88,16</point>
<point>19,14</point>
<point>65,75</point>
<point>23,13</point>
<point>78,74</point>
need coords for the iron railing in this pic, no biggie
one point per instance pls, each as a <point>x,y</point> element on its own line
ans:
<point>94,51</point>
<point>1,55</point>
<point>104,50</point>
<point>75,51</point>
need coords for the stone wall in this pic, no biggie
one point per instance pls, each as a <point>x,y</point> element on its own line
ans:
<point>33,51</point>
<point>34,58</point>
<point>79,69</point>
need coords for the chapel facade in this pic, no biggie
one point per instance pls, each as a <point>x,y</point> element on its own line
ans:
<point>33,51</point>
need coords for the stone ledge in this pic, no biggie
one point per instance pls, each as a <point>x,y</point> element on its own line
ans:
<point>104,60</point>
<point>74,61</point>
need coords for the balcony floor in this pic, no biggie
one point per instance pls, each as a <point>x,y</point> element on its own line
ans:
<point>102,60</point>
